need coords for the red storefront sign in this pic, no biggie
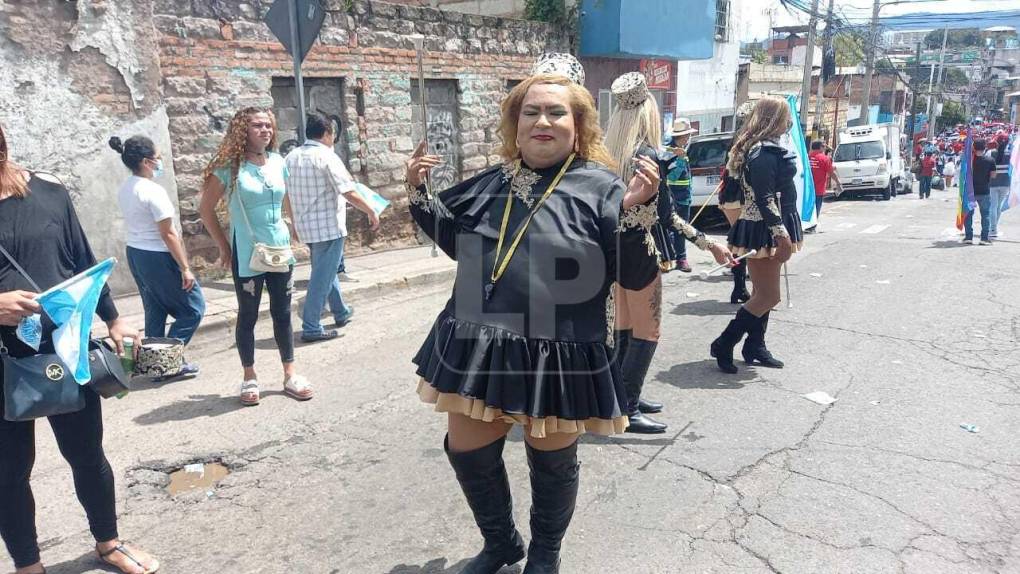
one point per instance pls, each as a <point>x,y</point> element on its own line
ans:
<point>658,73</point>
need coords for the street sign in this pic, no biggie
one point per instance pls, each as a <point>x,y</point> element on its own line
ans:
<point>297,23</point>
<point>309,15</point>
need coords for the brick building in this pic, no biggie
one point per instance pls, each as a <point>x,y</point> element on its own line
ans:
<point>80,72</point>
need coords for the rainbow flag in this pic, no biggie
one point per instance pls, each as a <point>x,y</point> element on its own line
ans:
<point>965,202</point>
<point>1013,199</point>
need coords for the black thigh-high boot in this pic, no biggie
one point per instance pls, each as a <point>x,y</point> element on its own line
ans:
<point>482,477</point>
<point>623,339</point>
<point>754,349</point>
<point>554,480</point>
<point>722,347</point>
<point>634,370</point>
<point>740,294</point>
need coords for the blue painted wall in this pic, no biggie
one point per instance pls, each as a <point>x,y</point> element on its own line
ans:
<point>669,29</point>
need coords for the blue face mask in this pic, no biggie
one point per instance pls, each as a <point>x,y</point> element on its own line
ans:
<point>158,172</point>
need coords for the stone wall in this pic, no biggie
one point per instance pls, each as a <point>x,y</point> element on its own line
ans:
<point>72,74</point>
<point>75,72</point>
<point>218,56</point>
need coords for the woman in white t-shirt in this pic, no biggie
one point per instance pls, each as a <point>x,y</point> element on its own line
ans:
<point>949,171</point>
<point>155,251</point>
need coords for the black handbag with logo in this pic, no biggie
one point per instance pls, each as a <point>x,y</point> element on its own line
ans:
<point>38,386</point>
<point>41,385</point>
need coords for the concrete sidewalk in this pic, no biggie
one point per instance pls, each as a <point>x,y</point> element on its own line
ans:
<point>376,273</point>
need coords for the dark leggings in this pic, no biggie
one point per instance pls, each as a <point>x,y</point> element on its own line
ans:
<point>80,439</point>
<point>249,297</point>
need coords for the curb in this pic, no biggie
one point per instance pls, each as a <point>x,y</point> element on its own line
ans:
<point>224,320</point>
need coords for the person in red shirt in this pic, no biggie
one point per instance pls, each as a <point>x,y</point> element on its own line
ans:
<point>927,171</point>
<point>822,171</point>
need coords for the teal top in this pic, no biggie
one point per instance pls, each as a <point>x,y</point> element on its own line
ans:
<point>261,190</point>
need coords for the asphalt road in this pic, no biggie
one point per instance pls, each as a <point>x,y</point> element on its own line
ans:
<point>913,333</point>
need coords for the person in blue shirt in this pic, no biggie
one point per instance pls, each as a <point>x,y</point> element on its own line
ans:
<point>678,181</point>
<point>251,178</point>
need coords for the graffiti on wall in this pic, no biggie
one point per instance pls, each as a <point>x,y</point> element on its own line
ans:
<point>442,142</point>
<point>442,129</point>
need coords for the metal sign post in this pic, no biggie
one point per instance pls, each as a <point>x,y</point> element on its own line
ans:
<point>299,83</point>
<point>296,23</point>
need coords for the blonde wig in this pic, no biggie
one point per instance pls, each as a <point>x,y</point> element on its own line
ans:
<point>12,179</point>
<point>769,120</point>
<point>235,144</point>
<point>628,130</point>
<point>586,119</point>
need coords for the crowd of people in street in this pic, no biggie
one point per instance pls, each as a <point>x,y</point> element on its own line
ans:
<point>939,162</point>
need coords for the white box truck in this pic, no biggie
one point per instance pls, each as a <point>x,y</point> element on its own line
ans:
<point>867,159</point>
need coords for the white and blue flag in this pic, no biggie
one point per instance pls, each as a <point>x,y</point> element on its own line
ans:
<point>70,305</point>
<point>804,180</point>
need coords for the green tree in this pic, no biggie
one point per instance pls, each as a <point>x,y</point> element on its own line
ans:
<point>962,38</point>
<point>760,56</point>
<point>849,49</point>
<point>952,114</point>
<point>885,65</point>
<point>552,11</point>
<point>954,79</point>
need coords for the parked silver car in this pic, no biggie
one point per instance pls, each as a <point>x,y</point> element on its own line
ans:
<point>707,156</point>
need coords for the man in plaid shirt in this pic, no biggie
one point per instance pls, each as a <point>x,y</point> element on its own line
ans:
<point>319,188</point>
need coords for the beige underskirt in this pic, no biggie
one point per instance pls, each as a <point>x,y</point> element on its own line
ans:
<point>537,427</point>
<point>762,253</point>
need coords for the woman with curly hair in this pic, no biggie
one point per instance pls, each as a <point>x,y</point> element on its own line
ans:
<point>635,130</point>
<point>250,175</point>
<point>529,343</point>
<point>768,223</point>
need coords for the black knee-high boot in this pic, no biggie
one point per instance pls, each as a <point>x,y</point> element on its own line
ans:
<point>623,339</point>
<point>554,480</point>
<point>483,479</point>
<point>722,347</point>
<point>740,294</point>
<point>754,349</point>
<point>635,369</point>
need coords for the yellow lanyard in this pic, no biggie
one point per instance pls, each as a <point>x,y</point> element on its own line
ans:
<point>500,264</point>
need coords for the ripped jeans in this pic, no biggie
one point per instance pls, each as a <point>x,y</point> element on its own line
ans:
<point>249,297</point>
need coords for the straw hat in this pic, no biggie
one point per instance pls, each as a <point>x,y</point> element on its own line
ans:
<point>630,90</point>
<point>682,127</point>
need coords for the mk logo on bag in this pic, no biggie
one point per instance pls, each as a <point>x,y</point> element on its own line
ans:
<point>54,372</point>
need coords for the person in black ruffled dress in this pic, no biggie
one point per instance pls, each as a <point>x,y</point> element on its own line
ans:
<point>525,337</point>
<point>769,223</point>
<point>731,200</point>
<point>635,130</point>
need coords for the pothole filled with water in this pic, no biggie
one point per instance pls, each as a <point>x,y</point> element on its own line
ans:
<point>196,476</point>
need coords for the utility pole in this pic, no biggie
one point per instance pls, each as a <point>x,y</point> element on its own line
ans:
<point>826,48</point>
<point>809,61</point>
<point>913,102</point>
<point>942,63</point>
<point>869,65</point>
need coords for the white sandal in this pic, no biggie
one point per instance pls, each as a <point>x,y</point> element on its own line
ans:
<point>298,387</point>
<point>250,393</point>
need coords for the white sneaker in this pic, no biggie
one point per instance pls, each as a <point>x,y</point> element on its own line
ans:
<point>346,278</point>
<point>969,241</point>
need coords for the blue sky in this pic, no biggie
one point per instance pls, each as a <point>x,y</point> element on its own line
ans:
<point>755,21</point>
